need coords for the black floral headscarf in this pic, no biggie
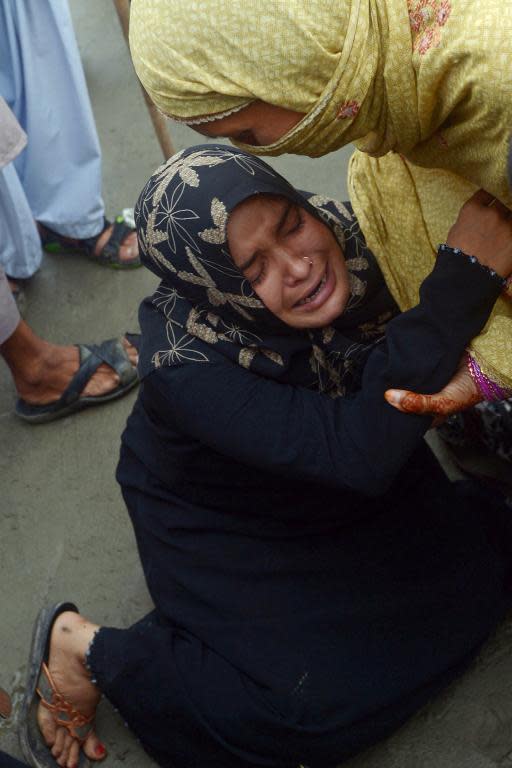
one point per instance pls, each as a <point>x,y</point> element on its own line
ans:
<point>204,309</point>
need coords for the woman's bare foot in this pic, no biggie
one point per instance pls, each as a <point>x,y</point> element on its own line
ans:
<point>70,640</point>
<point>49,376</point>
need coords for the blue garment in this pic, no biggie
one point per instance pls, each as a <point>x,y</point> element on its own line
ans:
<point>42,80</point>
<point>10,762</point>
<point>20,250</point>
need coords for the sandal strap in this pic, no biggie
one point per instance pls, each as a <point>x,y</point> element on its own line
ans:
<point>90,242</point>
<point>110,251</point>
<point>51,238</point>
<point>89,363</point>
<point>64,713</point>
<point>111,352</point>
<point>109,254</point>
<point>120,231</point>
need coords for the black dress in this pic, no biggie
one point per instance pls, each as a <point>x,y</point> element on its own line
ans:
<point>316,578</point>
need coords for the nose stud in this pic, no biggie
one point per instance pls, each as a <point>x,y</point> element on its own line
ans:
<point>306,258</point>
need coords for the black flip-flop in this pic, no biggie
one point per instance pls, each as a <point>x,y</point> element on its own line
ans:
<point>111,352</point>
<point>109,256</point>
<point>33,746</point>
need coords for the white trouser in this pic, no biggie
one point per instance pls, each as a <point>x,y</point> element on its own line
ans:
<point>59,172</point>
<point>9,315</point>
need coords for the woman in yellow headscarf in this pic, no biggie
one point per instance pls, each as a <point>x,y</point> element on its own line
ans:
<point>423,88</point>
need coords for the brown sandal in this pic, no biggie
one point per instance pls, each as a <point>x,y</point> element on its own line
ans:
<point>64,713</point>
<point>41,688</point>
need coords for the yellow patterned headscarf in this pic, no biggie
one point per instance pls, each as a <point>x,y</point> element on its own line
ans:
<point>428,81</point>
<point>204,58</point>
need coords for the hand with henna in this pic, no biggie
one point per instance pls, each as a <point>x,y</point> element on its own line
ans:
<point>460,393</point>
<point>483,229</point>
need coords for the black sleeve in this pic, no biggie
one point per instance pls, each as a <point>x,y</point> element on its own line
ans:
<point>359,442</point>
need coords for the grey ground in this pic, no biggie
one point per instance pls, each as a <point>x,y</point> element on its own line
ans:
<point>64,532</point>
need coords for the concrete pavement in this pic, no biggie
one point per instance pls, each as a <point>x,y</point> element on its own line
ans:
<point>64,532</point>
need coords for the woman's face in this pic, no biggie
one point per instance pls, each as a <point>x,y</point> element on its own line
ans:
<point>257,124</point>
<point>292,260</point>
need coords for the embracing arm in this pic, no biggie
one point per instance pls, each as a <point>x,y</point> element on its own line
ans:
<point>484,228</point>
<point>359,442</point>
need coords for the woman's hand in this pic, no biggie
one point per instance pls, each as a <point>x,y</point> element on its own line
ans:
<point>460,393</point>
<point>484,229</point>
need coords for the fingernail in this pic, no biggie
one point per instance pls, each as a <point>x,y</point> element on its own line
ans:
<point>392,396</point>
<point>100,750</point>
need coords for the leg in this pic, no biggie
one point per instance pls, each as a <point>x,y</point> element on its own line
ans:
<point>9,315</point>
<point>136,669</point>
<point>42,371</point>
<point>20,246</point>
<point>44,85</point>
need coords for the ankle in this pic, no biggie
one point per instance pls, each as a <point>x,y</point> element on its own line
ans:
<point>73,634</point>
<point>39,377</point>
<point>27,355</point>
<point>85,636</point>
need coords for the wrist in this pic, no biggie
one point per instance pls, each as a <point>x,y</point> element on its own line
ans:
<point>445,248</point>
<point>458,297</point>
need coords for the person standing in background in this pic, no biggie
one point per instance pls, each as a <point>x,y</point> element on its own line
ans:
<point>51,380</point>
<point>51,193</point>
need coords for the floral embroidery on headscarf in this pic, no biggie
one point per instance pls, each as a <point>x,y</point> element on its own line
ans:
<point>377,327</point>
<point>426,18</point>
<point>204,309</point>
<point>181,348</point>
<point>217,233</point>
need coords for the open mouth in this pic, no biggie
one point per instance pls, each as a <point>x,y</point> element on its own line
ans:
<point>314,293</point>
<point>319,294</point>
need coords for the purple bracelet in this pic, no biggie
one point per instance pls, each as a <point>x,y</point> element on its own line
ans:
<point>488,388</point>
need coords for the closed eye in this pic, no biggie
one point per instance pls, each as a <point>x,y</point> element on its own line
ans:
<point>294,221</point>
<point>260,275</point>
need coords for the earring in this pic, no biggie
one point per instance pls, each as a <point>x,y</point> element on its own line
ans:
<point>306,258</point>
